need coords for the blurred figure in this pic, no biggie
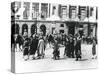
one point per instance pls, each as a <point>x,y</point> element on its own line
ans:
<point>78,47</point>
<point>66,47</point>
<point>26,48</point>
<point>56,51</point>
<point>33,46</point>
<point>94,49</point>
<point>20,41</point>
<point>41,47</point>
<point>71,51</point>
<point>16,46</point>
<point>50,39</point>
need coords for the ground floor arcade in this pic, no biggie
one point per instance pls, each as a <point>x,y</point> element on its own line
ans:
<point>88,29</point>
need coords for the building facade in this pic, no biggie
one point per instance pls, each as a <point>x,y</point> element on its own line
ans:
<point>53,18</point>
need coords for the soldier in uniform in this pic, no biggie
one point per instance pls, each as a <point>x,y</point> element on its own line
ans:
<point>26,46</point>
<point>66,46</point>
<point>71,51</point>
<point>33,46</point>
<point>78,47</point>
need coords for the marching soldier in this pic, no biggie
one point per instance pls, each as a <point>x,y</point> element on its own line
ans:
<point>33,46</point>
<point>71,51</point>
<point>78,47</point>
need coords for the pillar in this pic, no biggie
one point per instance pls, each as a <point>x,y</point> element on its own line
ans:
<point>29,30</point>
<point>94,30</point>
<point>48,10</point>
<point>40,10</point>
<point>30,17</point>
<point>20,30</point>
<point>51,10</point>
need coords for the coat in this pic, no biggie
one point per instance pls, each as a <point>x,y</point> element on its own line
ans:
<point>33,46</point>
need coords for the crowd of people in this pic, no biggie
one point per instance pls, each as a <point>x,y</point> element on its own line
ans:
<point>36,44</point>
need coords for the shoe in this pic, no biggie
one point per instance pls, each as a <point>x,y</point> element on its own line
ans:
<point>76,59</point>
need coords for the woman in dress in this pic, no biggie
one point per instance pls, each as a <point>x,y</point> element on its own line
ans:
<point>41,48</point>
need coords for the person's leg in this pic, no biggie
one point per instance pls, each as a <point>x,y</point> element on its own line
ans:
<point>17,45</point>
<point>38,54</point>
<point>72,51</point>
<point>76,53</point>
<point>25,54</point>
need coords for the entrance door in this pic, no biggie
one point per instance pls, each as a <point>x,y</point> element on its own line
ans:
<point>43,29</point>
<point>33,29</point>
<point>71,28</point>
<point>15,29</point>
<point>24,28</point>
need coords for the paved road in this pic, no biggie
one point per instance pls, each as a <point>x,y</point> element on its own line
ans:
<point>48,64</point>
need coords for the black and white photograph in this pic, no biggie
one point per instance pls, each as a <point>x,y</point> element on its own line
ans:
<point>53,37</point>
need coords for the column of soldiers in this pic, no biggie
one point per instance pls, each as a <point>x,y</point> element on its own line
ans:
<point>36,45</point>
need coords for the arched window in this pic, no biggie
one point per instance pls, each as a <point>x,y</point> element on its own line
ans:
<point>33,29</point>
<point>15,29</point>
<point>43,29</point>
<point>24,28</point>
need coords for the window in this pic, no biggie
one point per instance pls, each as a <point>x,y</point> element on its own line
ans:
<point>82,12</point>
<point>90,30</point>
<point>24,28</point>
<point>35,10</point>
<point>44,10</point>
<point>91,11</point>
<point>26,11</point>
<point>72,12</point>
<point>62,25</point>
<point>61,31</point>
<point>53,12</point>
<point>63,11</point>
